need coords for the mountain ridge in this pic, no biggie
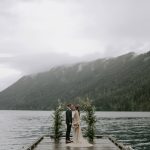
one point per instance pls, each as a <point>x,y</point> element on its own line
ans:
<point>120,83</point>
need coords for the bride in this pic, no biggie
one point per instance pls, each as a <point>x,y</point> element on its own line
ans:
<point>78,140</point>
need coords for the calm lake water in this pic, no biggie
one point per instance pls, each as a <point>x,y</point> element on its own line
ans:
<point>18,129</point>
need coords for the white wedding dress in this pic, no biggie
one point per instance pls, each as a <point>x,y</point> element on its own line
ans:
<point>78,140</point>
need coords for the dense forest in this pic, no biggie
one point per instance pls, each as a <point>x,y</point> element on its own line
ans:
<point>121,83</point>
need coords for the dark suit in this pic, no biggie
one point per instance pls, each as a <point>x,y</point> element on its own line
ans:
<point>68,123</point>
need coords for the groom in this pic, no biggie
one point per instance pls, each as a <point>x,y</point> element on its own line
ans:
<point>68,122</point>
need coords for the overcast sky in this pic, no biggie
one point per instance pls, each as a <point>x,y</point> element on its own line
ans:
<point>38,34</point>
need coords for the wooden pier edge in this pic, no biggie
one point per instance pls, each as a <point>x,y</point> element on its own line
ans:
<point>121,146</point>
<point>33,145</point>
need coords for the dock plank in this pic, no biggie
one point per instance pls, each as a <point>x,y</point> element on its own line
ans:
<point>100,144</point>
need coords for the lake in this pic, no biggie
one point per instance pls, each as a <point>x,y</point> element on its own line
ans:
<point>18,129</point>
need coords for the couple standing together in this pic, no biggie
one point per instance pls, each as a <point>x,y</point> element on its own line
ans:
<point>74,122</point>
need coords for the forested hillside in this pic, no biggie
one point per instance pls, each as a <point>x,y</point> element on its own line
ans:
<point>121,83</point>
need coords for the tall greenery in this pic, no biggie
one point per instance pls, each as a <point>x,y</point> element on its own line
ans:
<point>58,122</point>
<point>89,118</point>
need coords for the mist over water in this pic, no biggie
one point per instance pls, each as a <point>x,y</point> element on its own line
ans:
<point>18,129</point>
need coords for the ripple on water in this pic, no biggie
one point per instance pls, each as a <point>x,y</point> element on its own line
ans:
<point>19,129</point>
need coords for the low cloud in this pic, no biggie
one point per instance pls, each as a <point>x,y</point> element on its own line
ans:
<point>37,62</point>
<point>40,34</point>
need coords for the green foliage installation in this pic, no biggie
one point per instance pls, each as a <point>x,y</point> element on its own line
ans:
<point>57,122</point>
<point>89,118</point>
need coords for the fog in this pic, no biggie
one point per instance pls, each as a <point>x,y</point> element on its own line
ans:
<point>36,35</point>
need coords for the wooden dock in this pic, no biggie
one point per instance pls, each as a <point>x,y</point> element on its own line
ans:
<point>100,143</point>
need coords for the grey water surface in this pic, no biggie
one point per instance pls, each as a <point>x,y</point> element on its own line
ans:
<point>18,129</point>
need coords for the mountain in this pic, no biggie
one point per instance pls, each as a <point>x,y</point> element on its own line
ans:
<point>121,83</point>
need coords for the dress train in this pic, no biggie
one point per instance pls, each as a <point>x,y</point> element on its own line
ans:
<point>78,139</point>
